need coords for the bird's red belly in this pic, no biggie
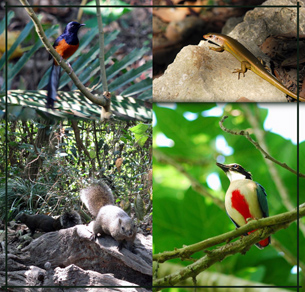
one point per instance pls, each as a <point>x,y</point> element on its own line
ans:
<point>66,50</point>
<point>240,204</point>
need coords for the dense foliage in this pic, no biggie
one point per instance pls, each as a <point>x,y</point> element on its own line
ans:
<point>49,164</point>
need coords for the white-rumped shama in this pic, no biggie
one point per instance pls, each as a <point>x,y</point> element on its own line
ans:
<point>65,45</point>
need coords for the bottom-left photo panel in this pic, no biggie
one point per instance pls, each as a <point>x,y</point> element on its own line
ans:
<point>76,204</point>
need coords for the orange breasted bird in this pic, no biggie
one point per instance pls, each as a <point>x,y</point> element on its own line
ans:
<point>245,199</point>
<point>65,45</point>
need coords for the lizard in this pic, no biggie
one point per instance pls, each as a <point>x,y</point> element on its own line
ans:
<point>247,59</point>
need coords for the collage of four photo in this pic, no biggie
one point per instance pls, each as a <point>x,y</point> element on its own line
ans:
<point>152,145</point>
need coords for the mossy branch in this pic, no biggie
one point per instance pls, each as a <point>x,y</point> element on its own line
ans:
<point>273,221</point>
<point>270,225</point>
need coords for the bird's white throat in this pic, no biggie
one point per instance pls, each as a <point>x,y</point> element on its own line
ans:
<point>234,175</point>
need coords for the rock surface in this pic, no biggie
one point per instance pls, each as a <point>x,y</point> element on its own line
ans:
<point>71,257</point>
<point>199,74</point>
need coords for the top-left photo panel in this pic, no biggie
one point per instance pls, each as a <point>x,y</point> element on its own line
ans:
<point>113,71</point>
<point>76,144</point>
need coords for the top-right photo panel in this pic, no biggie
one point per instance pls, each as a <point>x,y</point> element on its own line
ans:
<point>228,54</point>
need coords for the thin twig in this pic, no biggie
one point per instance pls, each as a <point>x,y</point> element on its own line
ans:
<point>80,11</point>
<point>105,112</point>
<point>282,190</point>
<point>257,146</point>
<point>102,48</point>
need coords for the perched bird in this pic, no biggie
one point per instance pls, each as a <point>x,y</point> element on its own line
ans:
<point>65,45</point>
<point>245,199</point>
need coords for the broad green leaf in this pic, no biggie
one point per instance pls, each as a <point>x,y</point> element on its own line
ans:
<point>140,133</point>
<point>109,14</point>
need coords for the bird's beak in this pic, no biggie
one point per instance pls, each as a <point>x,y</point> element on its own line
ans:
<point>224,167</point>
<point>82,24</point>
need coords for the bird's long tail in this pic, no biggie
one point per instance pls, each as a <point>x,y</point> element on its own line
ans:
<point>53,85</point>
<point>263,243</point>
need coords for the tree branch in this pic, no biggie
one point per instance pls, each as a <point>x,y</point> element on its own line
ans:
<point>100,100</point>
<point>271,224</point>
<point>272,221</point>
<point>257,146</point>
<point>103,76</point>
<point>282,190</point>
<point>213,278</point>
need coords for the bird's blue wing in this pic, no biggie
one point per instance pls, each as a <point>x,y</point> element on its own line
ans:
<point>262,199</point>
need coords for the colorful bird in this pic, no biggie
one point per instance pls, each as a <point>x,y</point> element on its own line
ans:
<point>65,45</point>
<point>245,199</point>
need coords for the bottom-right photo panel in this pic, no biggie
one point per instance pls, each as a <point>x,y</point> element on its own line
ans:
<point>226,196</point>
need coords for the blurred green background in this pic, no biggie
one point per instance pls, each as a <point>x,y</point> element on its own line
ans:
<point>190,135</point>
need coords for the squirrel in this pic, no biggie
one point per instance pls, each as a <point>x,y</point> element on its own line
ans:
<point>109,219</point>
<point>47,223</point>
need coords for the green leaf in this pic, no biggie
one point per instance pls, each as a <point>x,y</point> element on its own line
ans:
<point>132,57</point>
<point>92,154</point>
<point>146,95</point>
<point>139,129</point>
<point>140,133</point>
<point>108,14</point>
<point>136,88</point>
<point>25,32</point>
<point>129,76</point>
<point>10,15</point>
<point>25,57</point>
